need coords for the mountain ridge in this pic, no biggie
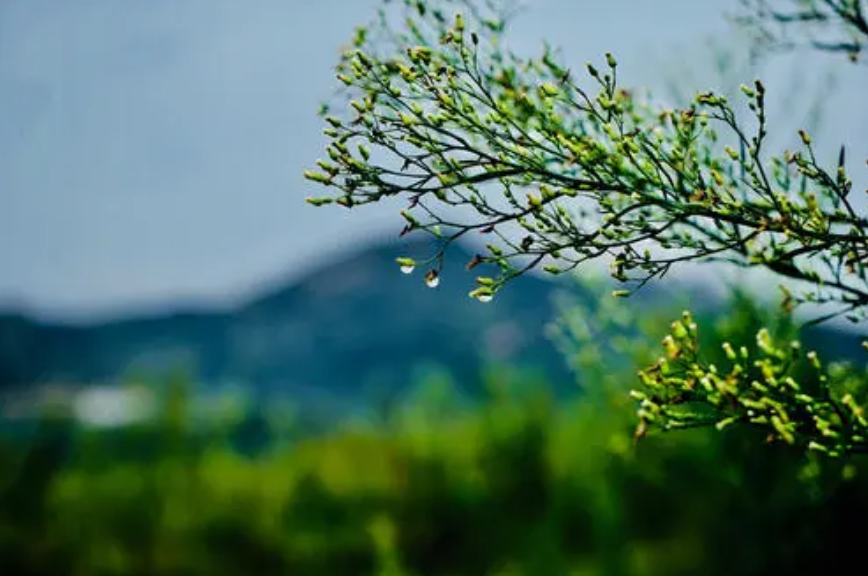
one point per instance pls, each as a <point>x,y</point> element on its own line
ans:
<point>350,328</point>
<point>327,308</point>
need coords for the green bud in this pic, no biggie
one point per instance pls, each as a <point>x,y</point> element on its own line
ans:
<point>549,89</point>
<point>678,330</point>
<point>806,139</point>
<point>317,177</point>
<point>483,294</point>
<point>409,218</point>
<point>407,265</point>
<point>817,447</point>
<point>731,152</point>
<point>459,22</point>
<point>726,422</point>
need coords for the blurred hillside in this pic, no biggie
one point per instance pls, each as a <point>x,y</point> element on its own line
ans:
<point>354,331</point>
<point>354,328</point>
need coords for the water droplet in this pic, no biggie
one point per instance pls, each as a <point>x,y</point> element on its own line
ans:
<point>407,269</point>
<point>432,278</point>
<point>485,297</point>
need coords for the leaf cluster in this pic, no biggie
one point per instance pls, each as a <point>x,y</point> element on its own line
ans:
<point>774,386</point>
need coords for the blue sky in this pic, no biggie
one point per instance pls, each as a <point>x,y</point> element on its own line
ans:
<point>152,151</point>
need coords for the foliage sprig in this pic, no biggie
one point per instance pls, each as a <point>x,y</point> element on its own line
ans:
<point>475,138</point>
<point>558,168</point>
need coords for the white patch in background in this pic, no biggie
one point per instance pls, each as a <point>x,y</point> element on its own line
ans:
<point>110,406</point>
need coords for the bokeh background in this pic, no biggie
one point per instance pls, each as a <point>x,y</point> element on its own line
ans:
<point>200,373</point>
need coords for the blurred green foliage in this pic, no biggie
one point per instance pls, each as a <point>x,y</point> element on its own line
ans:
<point>520,484</point>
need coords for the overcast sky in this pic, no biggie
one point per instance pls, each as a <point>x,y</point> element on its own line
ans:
<point>152,150</point>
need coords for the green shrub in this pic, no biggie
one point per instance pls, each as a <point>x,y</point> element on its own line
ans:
<point>521,484</point>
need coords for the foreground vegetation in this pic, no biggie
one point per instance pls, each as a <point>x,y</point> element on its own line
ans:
<point>519,484</point>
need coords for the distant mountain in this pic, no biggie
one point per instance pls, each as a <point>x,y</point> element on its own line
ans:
<point>353,328</point>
